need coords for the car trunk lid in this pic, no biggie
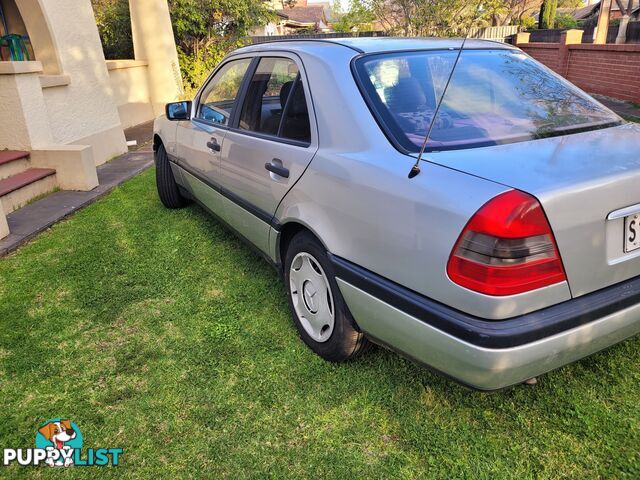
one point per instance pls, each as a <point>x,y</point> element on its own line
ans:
<point>580,180</point>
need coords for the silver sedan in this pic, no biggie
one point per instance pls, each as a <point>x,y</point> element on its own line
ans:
<point>515,250</point>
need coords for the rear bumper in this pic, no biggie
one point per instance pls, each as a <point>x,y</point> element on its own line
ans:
<point>488,355</point>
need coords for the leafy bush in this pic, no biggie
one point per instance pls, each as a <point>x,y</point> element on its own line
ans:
<point>205,30</point>
<point>564,20</point>
<point>528,22</point>
<point>114,26</point>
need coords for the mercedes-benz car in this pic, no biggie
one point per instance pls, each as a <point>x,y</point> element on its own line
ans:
<point>455,201</point>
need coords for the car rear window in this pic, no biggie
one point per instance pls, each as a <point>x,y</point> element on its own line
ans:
<point>494,97</point>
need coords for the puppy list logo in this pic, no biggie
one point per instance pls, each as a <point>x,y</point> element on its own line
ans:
<point>59,444</point>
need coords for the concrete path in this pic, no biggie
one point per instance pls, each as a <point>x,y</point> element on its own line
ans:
<point>26,222</point>
<point>627,110</point>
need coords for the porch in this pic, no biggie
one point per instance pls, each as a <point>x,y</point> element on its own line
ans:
<point>64,107</point>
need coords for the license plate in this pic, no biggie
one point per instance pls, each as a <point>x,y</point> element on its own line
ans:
<point>631,232</point>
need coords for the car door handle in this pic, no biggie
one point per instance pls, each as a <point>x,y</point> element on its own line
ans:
<point>277,169</point>
<point>213,145</point>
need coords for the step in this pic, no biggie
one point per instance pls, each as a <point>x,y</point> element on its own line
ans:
<point>12,162</point>
<point>17,190</point>
<point>7,156</point>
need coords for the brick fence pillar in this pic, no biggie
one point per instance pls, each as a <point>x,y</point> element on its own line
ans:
<point>568,37</point>
<point>522,37</point>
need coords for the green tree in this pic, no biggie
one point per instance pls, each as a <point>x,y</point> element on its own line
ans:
<point>570,3</point>
<point>427,17</point>
<point>492,10</point>
<point>528,22</point>
<point>336,9</point>
<point>359,18</point>
<point>564,20</point>
<point>205,30</point>
<point>114,25</point>
<point>548,14</point>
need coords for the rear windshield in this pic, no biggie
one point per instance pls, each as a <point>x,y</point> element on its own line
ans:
<point>494,97</point>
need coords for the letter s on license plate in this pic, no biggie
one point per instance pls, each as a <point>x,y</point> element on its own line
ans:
<point>631,232</point>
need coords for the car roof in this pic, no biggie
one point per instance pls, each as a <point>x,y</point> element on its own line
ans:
<point>378,44</point>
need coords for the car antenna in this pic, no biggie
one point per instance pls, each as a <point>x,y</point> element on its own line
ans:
<point>415,170</point>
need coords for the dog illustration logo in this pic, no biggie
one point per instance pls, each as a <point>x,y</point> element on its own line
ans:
<point>59,444</point>
<point>62,435</point>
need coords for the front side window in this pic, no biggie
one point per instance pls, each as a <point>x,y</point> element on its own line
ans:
<point>275,103</point>
<point>494,97</point>
<point>218,98</point>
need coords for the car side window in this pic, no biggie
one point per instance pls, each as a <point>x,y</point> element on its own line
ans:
<point>217,100</point>
<point>275,103</point>
<point>295,121</point>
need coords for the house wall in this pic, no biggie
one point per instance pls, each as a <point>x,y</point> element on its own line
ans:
<point>153,42</point>
<point>82,112</point>
<point>609,69</point>
<point>70,95</point>
<point>22,107</point>
<point>130,84</point>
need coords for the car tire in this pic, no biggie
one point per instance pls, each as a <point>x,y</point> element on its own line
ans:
<point>322,318</point>
<point>168,190</point>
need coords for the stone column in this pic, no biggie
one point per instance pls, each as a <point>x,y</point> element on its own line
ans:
<point>23,107</point>
<point>622,29</point>
<point>154,43</point>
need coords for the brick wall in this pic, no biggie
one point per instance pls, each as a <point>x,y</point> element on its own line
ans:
<point>546,53</point>
<point>612,70</point>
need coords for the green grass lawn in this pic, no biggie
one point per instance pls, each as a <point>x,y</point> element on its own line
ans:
<point>159,332</point>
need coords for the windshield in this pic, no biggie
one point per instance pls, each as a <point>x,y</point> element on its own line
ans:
<point>494,97</point>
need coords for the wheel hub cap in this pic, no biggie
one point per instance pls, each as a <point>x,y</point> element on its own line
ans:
<point>309,292</point>
<point>311,296</point>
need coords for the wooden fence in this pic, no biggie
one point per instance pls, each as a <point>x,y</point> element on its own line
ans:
<point>271,38</point>
<point>500,34</point>
<point>553,35</point>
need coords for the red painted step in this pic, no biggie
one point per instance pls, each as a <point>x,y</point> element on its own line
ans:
<point>23,179</point>
<point>7,156</point>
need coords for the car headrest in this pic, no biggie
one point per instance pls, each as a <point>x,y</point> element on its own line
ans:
<point>284,92</point>
<point>298,103</point>
<point>405,96</point>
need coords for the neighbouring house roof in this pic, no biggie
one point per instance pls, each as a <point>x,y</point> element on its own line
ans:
<point>580,13</point>
<point>308,15</point>
<point>614,5</point>
<point>616,8</point>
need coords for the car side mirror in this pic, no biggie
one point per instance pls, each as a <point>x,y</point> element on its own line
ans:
<point>177,111</point>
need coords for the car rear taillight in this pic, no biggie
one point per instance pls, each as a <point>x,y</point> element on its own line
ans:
<point>506,248</point>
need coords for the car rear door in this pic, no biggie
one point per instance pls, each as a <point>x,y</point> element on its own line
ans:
<point>199,141</point>
<point>269,146</point>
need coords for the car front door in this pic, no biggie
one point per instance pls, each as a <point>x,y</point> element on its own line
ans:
<point>200,140</point>
<point>268,146</point>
